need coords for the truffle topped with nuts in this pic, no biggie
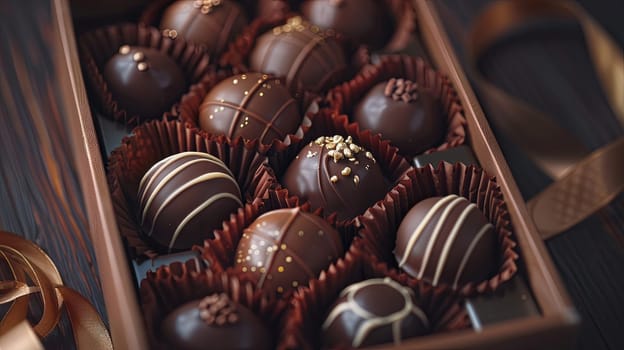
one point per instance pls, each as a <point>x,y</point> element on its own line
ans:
<point>215,319</point>
<point>336,174</point>
<point>143,81</point>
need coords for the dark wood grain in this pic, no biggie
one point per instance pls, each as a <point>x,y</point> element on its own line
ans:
<point>40,196</point>
<point>549,67</point>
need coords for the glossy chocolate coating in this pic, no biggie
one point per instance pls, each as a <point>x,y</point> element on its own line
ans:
<point>194,326</point>
<point>144,81</point>
<point>307,57</point>
<point>271,9</point>
<point>284,248</point>
<point>211,24</point>
<point>345,182</point>
<point>374,311</point>
<point>446,240</point>
<point>419,115</point>
<point>365,22</point>
<point>184,197</point>
<point>252,106</point>
<point>460,154</point>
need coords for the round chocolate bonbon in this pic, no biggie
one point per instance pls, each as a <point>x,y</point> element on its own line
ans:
<point>144,81</point>
<point>284,248</point>
<point>211,24</point>
<point>400,102</point>
<point>374,311</point>
<point>336,174</point>
<point>184,197</point>
<point>446,240</point>
<point>252,106</point>
<point>215,320</point>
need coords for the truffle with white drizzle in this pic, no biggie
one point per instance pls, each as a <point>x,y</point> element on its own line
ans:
<point>184,197</point>
<point>336,174</point>
<point>446,240</point>
<point>374,311</point>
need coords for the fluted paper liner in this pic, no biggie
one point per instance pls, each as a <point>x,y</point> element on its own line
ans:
<point>380,223</point>
<point>220,251</point>
<point>157,140</point>
<point>301,328</point>
<point>189,107</point>
<point>344,97</point>
<point>173,286</point>
<point>325,123</point>
<point>98,46</point>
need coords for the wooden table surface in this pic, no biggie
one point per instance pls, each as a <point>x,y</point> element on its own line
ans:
<point>40,197</point>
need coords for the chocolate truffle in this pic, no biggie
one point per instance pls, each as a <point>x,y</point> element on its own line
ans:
<point>252,106</point>
<point>336,174</point>
<point>365,22</point>
<point>308,58</point>
<point>184,197</point>
<point>215,320</point>
<point>446,240</point>
<point>401,102</point>
<point>374,311</point>
<point>211,24</point>
<point>284,248</point>
<point>144,81</point>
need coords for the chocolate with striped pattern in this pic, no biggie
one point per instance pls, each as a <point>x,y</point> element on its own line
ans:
<point>374,311</point>
<point>251,106</point>
<point>284,248</point>
<point>184,197</point>
<point>446,240</point>
<point>309,58</point>
<point>210,24</point>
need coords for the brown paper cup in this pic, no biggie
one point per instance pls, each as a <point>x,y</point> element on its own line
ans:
<point>326,123</point>
<point>157,140</point>
<point>344,97</point>
<point>310,305</point>
<point>188,112</point>
<point>380,223</point>
<point>170,287</point>
<point>220,251</point>
<point>97,47</point>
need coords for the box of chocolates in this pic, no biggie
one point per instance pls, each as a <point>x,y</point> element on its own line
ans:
<point>309,174</point>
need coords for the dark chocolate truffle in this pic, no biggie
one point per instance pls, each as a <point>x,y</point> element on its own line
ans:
<point>446,240</point>
<point>336,174</point>
<point>184,197</point>
<point>252,106</point>
<point>144,81</point>
<point>308,58</point>
<point>365,22</point>
<point>211,24</point>
<point>374,311</point>
<point>399,102</point>
<point>285,248</point>
<point>215,321</point>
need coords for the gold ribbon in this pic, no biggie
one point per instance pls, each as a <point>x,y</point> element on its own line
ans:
<point>28,262</point>
<point>584,182</point>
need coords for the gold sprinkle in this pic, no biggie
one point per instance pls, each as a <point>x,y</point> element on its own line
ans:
<point>352,159</point>
<point>246,93</point>
<point>346,171</point>
<point>333,179</point>
<point>280,269</point>
<point>262,270</point>
<point>124,50</point>
<point>330,145</point>
<point>321,232</point>
<point>265,76</point>
<point>277,31</point>
<point>347,153</point>
<point>356,179</point>
<point>369,155</point>
<point>287,28</point>
<point>244,76</point>
<point>259,264</point>
<point>244,269</point>
<point>261,94</point>
<point>320,140</point>
<point>283,246</point>
<point>338,156</point>
<point>295,284</point>
<point>289,259</point>
<point>138,56</point>
<point>280,289</point>
<point>142,66</point>
<point>235,81</point>
<point>211,116</point>
<point>300,233</point>
<point>253,269</point>
<point>338,138</point>
<point>355,148</point>
<point>349,139</point>
<point>311,154</point>
<point>331,153</point>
